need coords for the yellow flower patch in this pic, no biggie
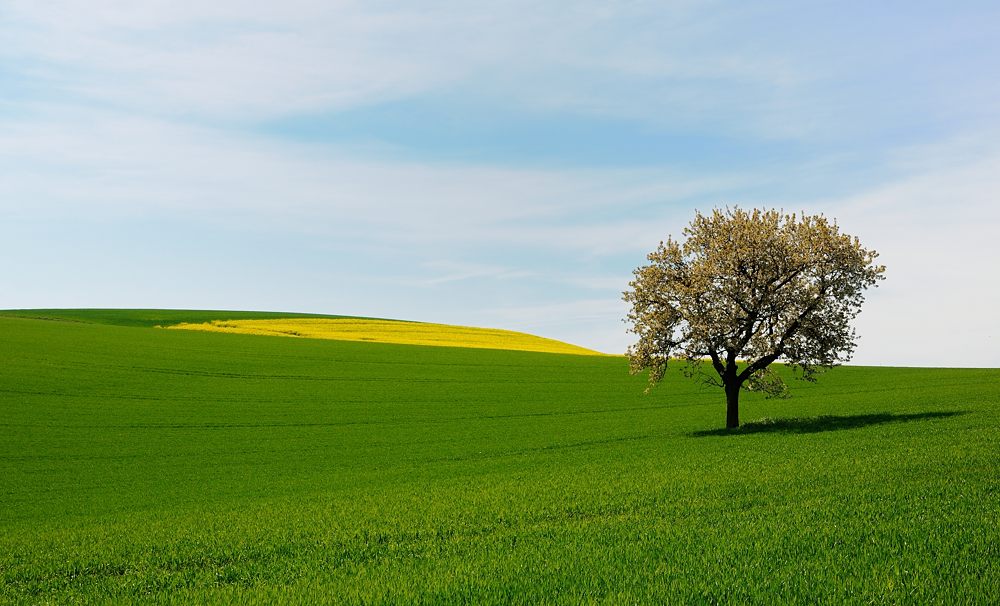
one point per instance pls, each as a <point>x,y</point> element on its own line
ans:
<point>389,331</point>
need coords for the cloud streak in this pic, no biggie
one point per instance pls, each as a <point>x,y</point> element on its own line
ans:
<point>87,163</point>
<point>657,63</point>
<point>134,149</point>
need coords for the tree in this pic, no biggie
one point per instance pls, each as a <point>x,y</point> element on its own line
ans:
<point>746,289</point>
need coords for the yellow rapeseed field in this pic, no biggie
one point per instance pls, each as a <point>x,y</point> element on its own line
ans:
<point>390,331</point>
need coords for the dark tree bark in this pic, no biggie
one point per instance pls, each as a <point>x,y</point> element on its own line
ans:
<point>732,405</point>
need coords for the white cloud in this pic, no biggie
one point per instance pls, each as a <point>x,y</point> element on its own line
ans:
<point>935,226</point>
<point>95,163</point>
<point>122,110</point>
<point>227,60</point>
<point>231,60</point>
<point>936,232</point>
<point>445,272</point>
<point>595,323</point>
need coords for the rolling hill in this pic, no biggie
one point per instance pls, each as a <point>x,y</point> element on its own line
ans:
<point>143,465</point>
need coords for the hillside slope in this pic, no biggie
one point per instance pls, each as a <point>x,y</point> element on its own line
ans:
<point>390,331</point>
<point>140,465</point>
<point>316,326</point>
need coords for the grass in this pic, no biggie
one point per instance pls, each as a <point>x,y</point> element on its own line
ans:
<point>154,466</point>
<point>389,331</point>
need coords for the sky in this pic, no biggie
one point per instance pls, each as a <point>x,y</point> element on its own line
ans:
<point>503,164</point>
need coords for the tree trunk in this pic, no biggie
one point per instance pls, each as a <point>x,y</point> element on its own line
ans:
<point>732,405</point>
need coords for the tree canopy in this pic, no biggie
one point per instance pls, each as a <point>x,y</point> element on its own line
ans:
<point>747,288</point>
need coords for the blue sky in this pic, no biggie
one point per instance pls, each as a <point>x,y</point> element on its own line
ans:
<point>496,164</point>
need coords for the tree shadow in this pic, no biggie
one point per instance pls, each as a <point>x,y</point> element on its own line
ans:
<point>823,423</point>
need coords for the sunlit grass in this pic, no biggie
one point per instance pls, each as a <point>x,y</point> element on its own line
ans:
<point>390,331</point>
<point>144,466</point>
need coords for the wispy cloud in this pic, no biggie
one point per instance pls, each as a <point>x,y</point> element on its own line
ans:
<point>91,163</point>
<point>138,139</point>
<point>935,229</point>
<point>658,63</point>
<point>444,272</point>
<point>593,323</point>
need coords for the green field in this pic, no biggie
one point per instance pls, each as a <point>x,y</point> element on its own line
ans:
<point>142,465</point>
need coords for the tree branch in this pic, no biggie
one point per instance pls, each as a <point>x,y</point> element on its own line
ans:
<point>790,277</point>
<point>762,362</point>
<point>717,363</point>
<point>748,330</point>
